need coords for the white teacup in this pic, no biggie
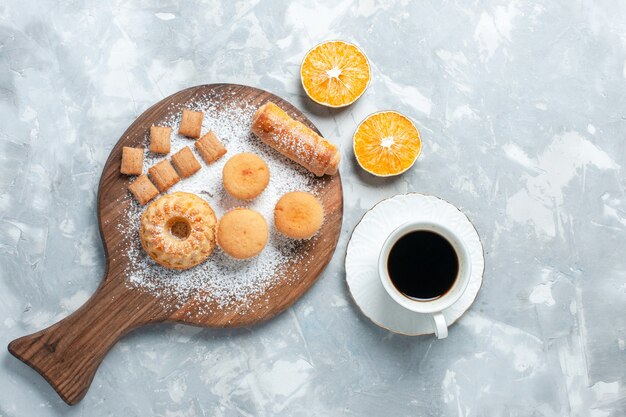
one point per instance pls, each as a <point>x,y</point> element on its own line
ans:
<point>435,306</point>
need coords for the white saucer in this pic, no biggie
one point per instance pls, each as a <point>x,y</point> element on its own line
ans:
<point>362,260</point>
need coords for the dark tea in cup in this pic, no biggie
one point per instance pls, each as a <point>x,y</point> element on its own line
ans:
<point>422,265</point>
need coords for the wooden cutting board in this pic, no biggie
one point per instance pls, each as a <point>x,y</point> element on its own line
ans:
<point>67,354</point>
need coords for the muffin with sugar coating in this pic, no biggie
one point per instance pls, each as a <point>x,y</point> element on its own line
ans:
<point>298,215</point>
<point>245,176</point>
<point>242,233</point>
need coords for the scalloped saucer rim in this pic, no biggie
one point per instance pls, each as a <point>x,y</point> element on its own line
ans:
<point>361,265</point>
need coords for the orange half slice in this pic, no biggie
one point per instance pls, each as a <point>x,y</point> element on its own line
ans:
<point>335,73</point>
<point>386,143</point>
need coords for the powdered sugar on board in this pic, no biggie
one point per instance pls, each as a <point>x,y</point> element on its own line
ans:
<point>221,281</point>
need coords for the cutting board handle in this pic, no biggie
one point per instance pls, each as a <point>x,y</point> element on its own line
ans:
<point>68,353</point>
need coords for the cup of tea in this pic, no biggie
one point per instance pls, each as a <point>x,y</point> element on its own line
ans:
<point>425,267</point>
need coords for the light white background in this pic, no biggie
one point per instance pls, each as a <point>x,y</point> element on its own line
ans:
<point>522,109</point>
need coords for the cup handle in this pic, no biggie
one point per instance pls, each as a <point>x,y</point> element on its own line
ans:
<point>441,328</point>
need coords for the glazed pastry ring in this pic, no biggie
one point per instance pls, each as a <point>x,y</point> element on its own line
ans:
<point>178,230</point>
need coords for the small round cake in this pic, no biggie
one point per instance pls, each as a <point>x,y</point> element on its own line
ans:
<point>242,233</point>
<point>178,230</point>
<point>298,215</point>
<point>245,176</point>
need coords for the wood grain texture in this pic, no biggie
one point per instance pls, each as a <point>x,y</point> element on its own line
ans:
<point>67,354</point>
